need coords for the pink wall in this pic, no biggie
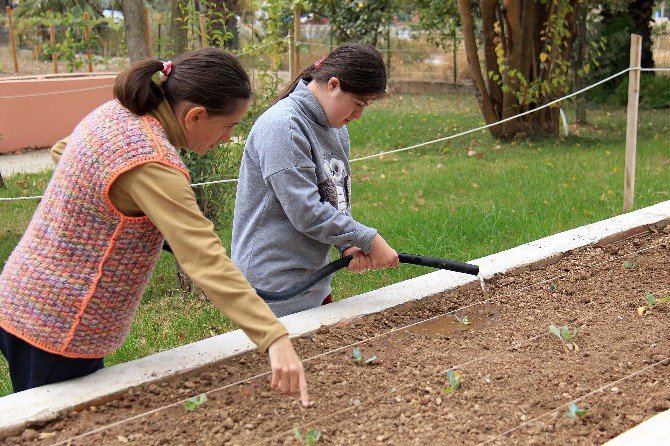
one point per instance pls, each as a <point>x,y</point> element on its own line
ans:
<point>37,111</point>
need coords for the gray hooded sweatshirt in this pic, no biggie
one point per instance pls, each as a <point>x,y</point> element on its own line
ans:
<point>293,200</point>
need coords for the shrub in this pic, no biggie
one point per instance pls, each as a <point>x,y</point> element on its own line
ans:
<point>654,93</point>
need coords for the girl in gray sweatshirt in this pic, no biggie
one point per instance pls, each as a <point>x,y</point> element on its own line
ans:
<point>293,198</point>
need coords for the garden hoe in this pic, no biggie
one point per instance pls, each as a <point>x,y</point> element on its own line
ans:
<point>317,276</point>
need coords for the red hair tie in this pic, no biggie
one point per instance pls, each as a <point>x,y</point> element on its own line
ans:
<point>317,64</point>
<point>167,67</point>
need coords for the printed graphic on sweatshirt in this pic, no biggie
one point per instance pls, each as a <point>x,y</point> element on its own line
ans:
<point>336,188</point>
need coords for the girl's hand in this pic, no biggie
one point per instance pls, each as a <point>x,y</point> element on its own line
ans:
<point>288,375</point>
<point>382,255</point>
<point>359,262</point>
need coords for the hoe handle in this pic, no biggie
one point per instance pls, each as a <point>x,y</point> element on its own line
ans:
<point>318,276</point>
<point>433,262</point>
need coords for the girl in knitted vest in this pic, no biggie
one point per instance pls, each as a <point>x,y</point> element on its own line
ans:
<point>70,288</point>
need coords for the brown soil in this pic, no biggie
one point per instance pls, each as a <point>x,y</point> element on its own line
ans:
<point>517,378</point>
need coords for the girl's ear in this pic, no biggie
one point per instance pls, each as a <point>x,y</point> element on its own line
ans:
<point>333,83</point>
<point>193,116</point>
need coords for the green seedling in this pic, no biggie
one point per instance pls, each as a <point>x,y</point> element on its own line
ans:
<point>194,402</point>
<point>565,335</point>
<point>574,411</point>
<point>629,265</point>
<point>463,320</point>
<point>552,288</point>
<point>454,377</point>
<point>311,437</point>
<point>360,360</point>
<point>652,301</point>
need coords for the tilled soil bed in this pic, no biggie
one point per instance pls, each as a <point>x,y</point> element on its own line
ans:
<point>517,378</point>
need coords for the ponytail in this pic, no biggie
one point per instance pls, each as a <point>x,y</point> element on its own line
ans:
<point>206,77</point>
<point>135,89</point>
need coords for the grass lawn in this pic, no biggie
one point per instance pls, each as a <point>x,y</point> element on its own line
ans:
<point>440,200</point>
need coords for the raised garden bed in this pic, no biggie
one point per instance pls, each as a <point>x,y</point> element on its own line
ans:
<point>517,378</point>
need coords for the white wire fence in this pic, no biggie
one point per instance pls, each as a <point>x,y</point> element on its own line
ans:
<point>425,143</point>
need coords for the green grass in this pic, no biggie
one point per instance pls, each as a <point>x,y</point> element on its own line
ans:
<point>434,200</point>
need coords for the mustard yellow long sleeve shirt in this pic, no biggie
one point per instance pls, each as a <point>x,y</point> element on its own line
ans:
<point>164,195</point>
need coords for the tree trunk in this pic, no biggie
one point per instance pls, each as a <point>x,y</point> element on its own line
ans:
<point>526,48</point>
<point>186,285</point>
<point>136,38</point>
<point>227,9</point>
<point>178,29</point>
<point>642,11</point>
<point>485,102</point>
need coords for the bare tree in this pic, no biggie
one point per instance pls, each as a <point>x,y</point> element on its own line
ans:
<point>136,37</point>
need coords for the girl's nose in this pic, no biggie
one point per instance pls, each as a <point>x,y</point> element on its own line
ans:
<point>226,137</point>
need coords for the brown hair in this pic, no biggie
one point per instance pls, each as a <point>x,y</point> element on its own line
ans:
<point>207,77</point>
<point>358,66</point>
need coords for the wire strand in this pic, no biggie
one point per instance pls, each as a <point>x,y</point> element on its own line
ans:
<point>404,149</point>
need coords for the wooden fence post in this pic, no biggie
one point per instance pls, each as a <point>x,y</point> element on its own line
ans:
<point>388,50</point>
<point>454,53</point>
<point>203,30</point>
<point>631,122</point>
<point>148,32</point>
<point>87,34</point>
<point>12,43</point>
<point>297,37</point>
<point>291,60</point>
<point>54,55</point>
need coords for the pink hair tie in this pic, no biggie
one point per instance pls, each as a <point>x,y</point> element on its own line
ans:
<point>317,64</point>
<point>167,67</point>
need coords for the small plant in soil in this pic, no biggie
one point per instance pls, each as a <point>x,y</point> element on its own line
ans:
<point>629,265</point>
<point>454,377</point>
<point>312,436</point>
<point>463,320</point>
<point>194,402</point>
<point>564,334</point>
<point>575,412</point>
<point>360,360</point>
<point>652,301</point>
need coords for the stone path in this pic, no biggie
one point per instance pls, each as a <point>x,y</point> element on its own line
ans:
<point>28,162</point>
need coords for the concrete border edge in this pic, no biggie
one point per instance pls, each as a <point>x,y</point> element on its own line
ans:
<point>39,405</point>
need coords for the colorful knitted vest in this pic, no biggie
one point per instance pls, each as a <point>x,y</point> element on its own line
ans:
<point>72,284</point>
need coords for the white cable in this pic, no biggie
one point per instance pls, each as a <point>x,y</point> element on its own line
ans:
<point>34,197</point>
<point>549,104</point>
<point>600,389</point>
<point>353,344</point>
<point>231,180</point>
